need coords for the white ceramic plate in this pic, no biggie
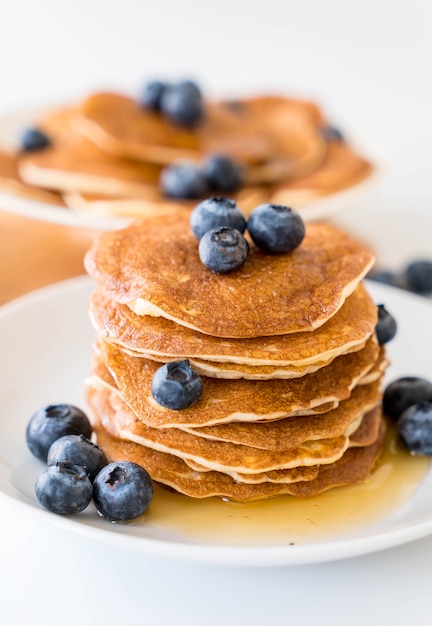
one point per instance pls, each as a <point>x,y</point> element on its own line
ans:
<point>45,340</point>
<point>12,125</point>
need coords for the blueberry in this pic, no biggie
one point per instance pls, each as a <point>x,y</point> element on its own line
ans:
<point>403,393</point>
<point>122,491</point>
<point>386,327</point>
<point>151,95</point>
<point>332,133</point>
<point>80,451</point>
<point>52,422</point>
<point>183,180</point>
<point>182,103</point>
<point>222,173</point>
<point>176,385</point>
<point>387,277</point>
<point>235,106</point>
<point>33,139</point>
<point>419,276</point>
<point>64,488</point>
<point>415,428</point>
<point>276,228</point>
<point>223,249</point>
<point>215,212</point>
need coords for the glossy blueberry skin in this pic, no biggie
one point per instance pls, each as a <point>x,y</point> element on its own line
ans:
<point>215,212</point>
<point>403,392</point>
<point>64,488</point>
<point>223,249</point>
<point>418,276</point>
<point>222,173</point>
<point>80,451</point>
<point>52,422</point>
<point>275,228</point>
<point>183,181</point>
<point>151,95</point>
<point>122,491</point>
<point>386,327</point>
<point>415,428</point>
<point>176,385</point>
<point>182,103</point>
<point>33,139</point>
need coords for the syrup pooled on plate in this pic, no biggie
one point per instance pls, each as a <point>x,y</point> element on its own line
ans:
<point>287,520</point>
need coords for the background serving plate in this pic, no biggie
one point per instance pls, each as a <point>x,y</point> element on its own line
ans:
<point>12,124</point>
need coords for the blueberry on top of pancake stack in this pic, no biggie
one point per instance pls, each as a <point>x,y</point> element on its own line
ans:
<point>284,345</point>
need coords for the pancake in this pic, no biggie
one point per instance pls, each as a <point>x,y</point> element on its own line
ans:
<point>251,372</point>
<point>74,163</point>
<point>11,182</point>
<point>281,434</point>
<point>252,135</point>
<point>223,456</point>
<point>294,430</point>
<point>366,434</point>
<point>342,168</point>
<point>159,337</point>
<point>154,267</point>
<point>107,152</point>
<point>354,466</point>
<point>247,198</point>
<point>224,401</point>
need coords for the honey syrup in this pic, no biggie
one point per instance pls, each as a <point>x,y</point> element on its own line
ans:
<point>287,520</point>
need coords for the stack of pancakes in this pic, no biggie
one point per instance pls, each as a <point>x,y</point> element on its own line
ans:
<point>107,153</point>
<point>285,346</point>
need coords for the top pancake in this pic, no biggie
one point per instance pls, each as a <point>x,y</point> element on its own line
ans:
<point>154,267</point>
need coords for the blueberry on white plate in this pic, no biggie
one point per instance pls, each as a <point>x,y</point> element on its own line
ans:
<point>386,327</point>
<point>122,491</point>
<point>403,393</point>
<point>418,275</point>
<point>64,488</point>
<point>52,422</point>
<point>80,451</point>
<point>415,428</point>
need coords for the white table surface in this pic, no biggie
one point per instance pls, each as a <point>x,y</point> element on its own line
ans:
<point>368,63</point>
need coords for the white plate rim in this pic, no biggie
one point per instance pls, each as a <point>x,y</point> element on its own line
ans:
<point>281,555</point>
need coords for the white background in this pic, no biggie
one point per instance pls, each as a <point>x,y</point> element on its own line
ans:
<point>366,62</point>
<point>369,64</point>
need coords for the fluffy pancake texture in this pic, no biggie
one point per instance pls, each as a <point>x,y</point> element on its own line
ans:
<point>106,153</point>
<point>242,400</point>
<point>353,466</point>
<point>154,267</point>
<point>11,182</point>
<point>159,337</point>
<point>285,345</point>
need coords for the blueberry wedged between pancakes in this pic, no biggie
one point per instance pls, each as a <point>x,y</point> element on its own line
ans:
<point>285,345</point>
